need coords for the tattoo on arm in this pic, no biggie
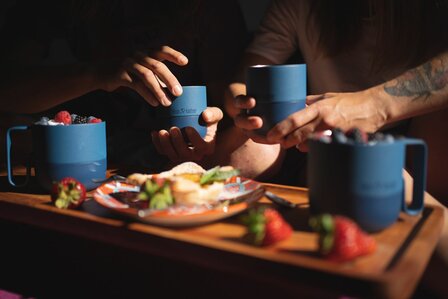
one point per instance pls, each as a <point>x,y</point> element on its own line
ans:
<point>421,81</point>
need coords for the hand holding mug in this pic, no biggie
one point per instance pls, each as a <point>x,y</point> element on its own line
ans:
<point>249,123</point>
<point>342,110</point>
<point>172,143</point>
<point>279,90</point>
<point>147,75</point>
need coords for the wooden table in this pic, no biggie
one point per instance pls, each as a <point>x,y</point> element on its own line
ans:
<point>291,269</point>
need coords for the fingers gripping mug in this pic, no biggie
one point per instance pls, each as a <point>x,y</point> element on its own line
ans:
<point>185,110</point>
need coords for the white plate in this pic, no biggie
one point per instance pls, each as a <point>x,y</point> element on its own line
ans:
<point>238,195</point>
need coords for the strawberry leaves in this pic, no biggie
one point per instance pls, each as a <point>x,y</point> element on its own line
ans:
<point>341,239</point>
<point>216,174</point>
<point>266,227</point>
<point>68,193</point>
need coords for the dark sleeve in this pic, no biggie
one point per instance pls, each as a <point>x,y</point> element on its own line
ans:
<point>29,27</point>
<point>223,39</point>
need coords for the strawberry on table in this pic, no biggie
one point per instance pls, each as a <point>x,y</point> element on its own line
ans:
<point>341,239</point>
<point>63,117</point>
<point>266,226</point>
<point>68,193</point>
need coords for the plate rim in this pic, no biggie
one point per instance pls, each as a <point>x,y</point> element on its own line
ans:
<point>193,219</point>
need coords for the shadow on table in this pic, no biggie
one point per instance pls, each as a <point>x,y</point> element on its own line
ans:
<point>31,188</point>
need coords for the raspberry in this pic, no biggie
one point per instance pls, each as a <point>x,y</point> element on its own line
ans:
<point>94,120</point>
<point>63,117</point>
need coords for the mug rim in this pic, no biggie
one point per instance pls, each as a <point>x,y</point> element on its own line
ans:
<point>264,66</point>
<point>359,145</point>
<point>42,125</point>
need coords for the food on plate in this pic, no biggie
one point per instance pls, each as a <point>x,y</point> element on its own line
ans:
<point>186,184</point>
<point>68,193</point>
<point>341,239</point>
<point>157,192</point>
<point>266,226</point>
<point>186,168</point>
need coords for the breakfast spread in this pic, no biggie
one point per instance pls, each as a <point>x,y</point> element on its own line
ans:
<point>187,184</point>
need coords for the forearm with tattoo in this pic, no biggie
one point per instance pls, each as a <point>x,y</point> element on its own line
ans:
<point>422,81</point>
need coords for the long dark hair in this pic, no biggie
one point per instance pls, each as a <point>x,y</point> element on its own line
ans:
<point>404,28</point>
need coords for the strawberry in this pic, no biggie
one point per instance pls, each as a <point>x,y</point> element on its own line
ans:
<point>68,193</point>
<point>266,226</point>
<point>341,239</point>
<point>63,117</point>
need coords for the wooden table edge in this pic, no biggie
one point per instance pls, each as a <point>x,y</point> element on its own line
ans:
<point>429,231</point>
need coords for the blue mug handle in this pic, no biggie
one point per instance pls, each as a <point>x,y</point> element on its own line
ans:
<point>418,172</point>
<point>8,157</point>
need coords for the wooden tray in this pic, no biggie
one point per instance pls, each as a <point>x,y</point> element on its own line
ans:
<point>392,272</point>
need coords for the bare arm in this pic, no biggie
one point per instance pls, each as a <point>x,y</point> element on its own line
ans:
<point>37,89</point>
<point>28,87</point>
<point>234,147</point>
<point>416,92</point>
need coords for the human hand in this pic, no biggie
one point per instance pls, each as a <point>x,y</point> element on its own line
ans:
<point>173,145</point>
<point>147,75</point>
<point>363,109</point>
<point>248,123</point>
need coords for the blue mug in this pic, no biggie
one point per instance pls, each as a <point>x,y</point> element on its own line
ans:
<point>77,151</point>
<point>365,182</point>
<point>280,90</point>
<point>185,110</point>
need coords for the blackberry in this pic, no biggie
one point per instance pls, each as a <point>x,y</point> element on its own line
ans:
<point>80,119</point>
<point>357,135</point>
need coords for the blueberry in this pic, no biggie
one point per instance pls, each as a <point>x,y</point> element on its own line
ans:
<point>73,116</point>
<point>338,136</point>
<point>389,138</point>
<point>43,121</point>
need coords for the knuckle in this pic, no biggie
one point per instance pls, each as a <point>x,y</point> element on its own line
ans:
<point>295,122</point>
<point>156,65</point>
<point>147,76</point>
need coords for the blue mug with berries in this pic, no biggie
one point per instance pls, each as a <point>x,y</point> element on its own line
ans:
<point>66,146</point>
<point>362,178</point>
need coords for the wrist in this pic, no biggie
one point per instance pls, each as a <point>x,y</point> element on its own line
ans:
<point>384,105</point>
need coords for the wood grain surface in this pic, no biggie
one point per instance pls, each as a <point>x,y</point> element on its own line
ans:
<point>393,271</point>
